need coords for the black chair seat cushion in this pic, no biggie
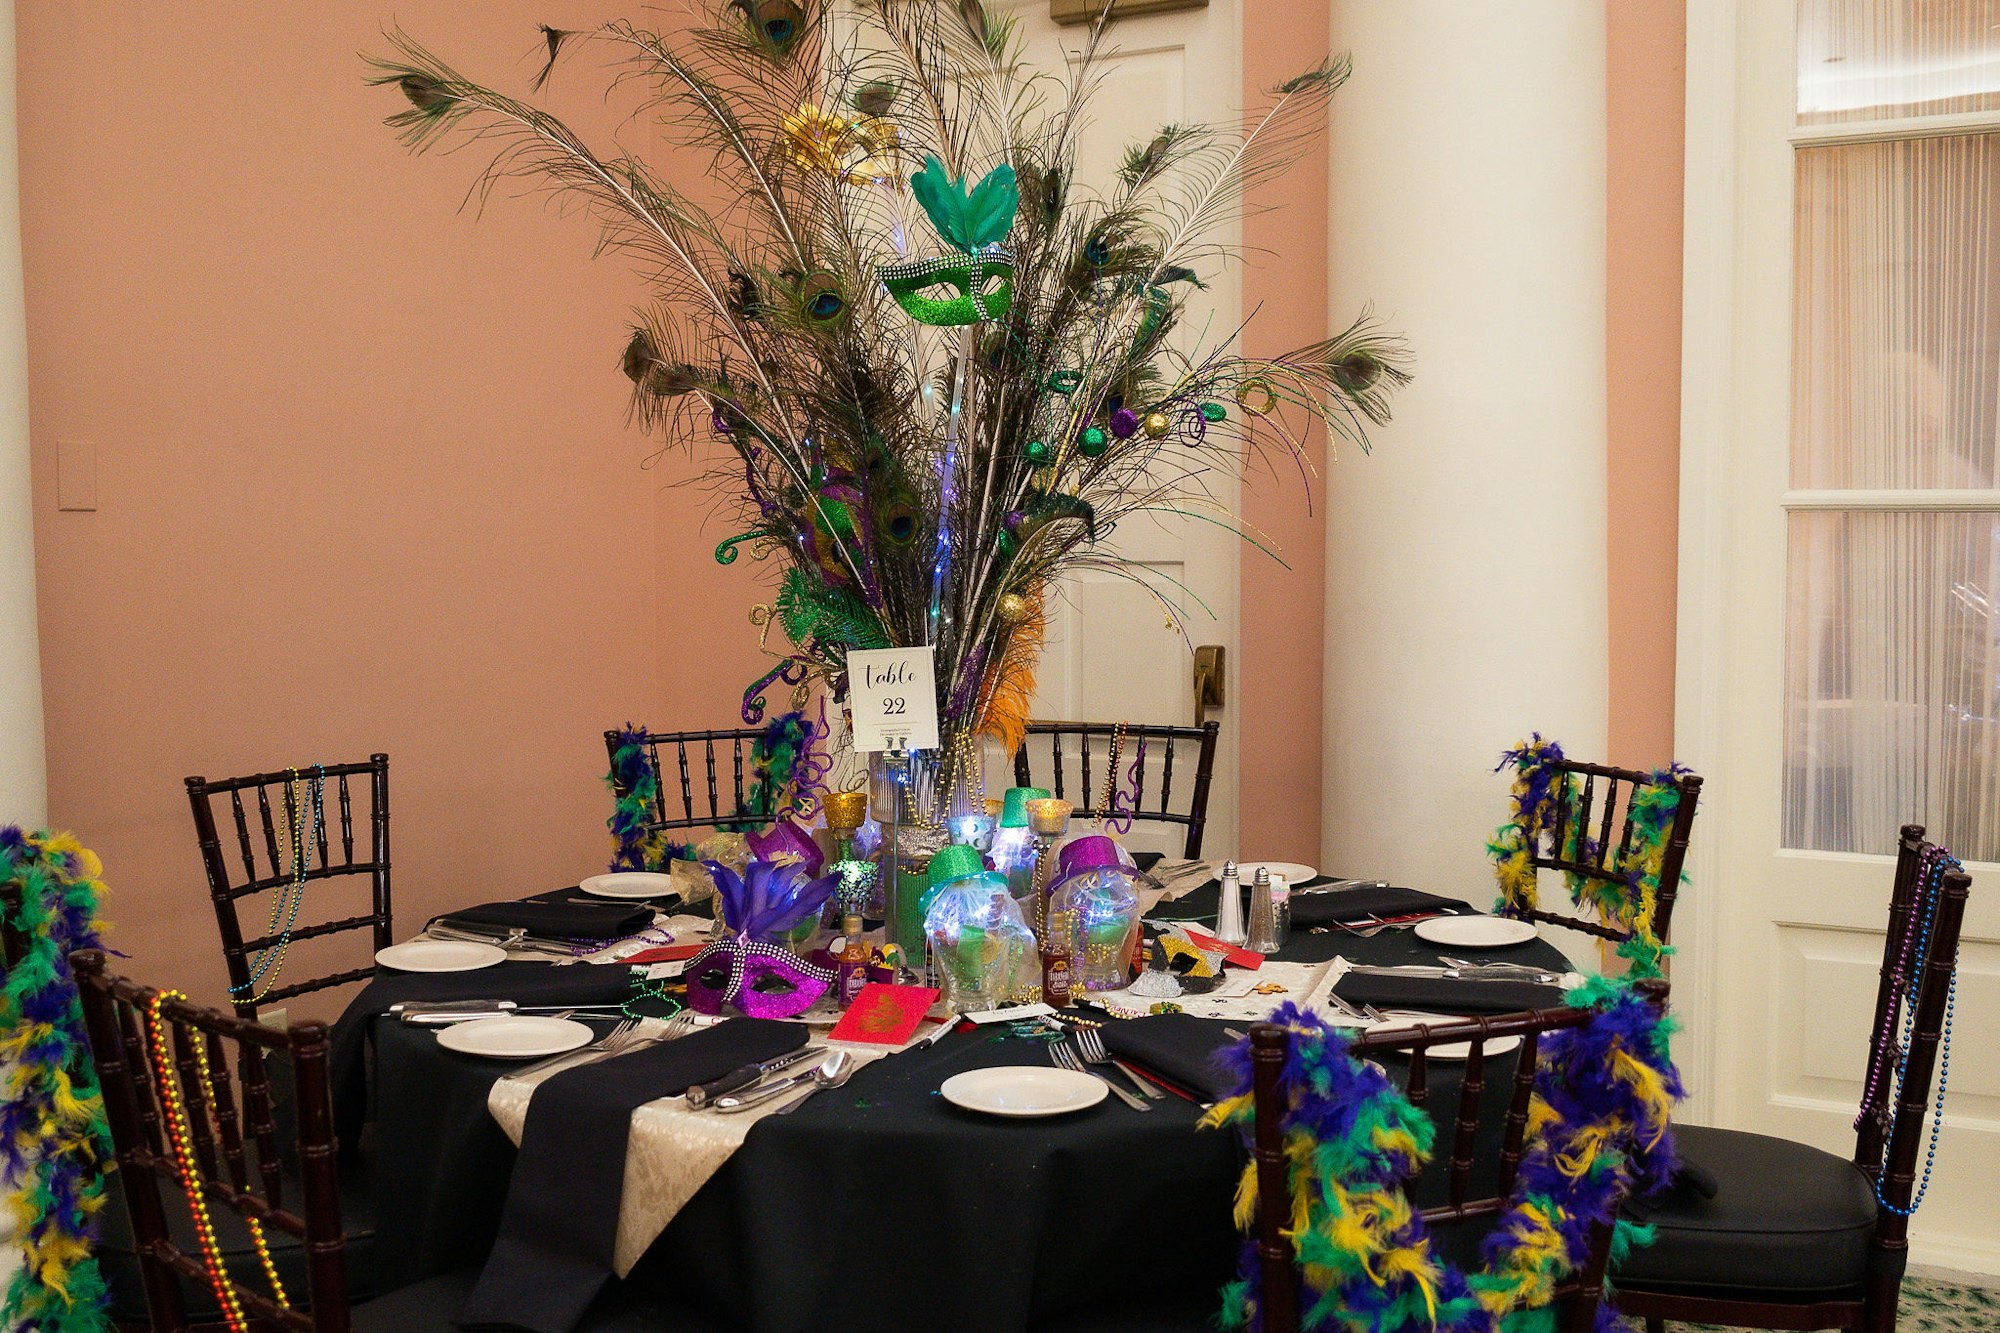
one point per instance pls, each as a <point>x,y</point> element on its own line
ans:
<point>625,1307</point>
<point>119,1259</point>
<point>1788,1222</point>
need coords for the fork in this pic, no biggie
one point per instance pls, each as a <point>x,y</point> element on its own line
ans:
<point>611,1043</point>
<point>1065,1058</point>
<point>1090,1045</point>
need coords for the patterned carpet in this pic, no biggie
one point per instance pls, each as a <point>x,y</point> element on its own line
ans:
<point>1929,1306</point>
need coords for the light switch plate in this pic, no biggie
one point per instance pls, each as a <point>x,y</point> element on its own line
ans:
<point>76,475</point>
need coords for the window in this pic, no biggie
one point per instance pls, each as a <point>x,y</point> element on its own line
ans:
<point>1892,696</point>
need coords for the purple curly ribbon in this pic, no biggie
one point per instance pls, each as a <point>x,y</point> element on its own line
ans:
<point>1119,817</point>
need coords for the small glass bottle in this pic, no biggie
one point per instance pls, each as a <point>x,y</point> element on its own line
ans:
<point>1058,976</point>
<point>850,958</point>
<point>1281,910</point>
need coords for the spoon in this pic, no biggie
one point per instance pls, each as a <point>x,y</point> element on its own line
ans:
<point>835,1063</point>
<point>822,1079</point>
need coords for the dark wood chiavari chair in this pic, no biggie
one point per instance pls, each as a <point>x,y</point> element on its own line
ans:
<point>736,743</point>
<point>237,1152</point>
<point>1163,740</point>
<point>243,1163</point>
<point>265,832</point>
<point>1600,854</point>
<point>1576,1299</point>
<point>1797,1238</point>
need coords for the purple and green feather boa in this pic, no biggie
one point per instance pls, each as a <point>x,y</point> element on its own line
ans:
<point>54,1145</point>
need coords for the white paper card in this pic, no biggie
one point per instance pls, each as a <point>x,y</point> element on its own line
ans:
<point>892,693</point>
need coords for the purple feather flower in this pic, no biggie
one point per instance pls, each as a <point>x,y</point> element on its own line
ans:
<point>769,898</point>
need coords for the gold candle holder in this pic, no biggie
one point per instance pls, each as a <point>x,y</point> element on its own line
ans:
<point>846,811</point>
<point>1049,816</point>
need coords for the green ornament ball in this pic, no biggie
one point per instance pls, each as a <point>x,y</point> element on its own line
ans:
<point>1213,411</point>
<point>1093,442</point>
<point>1039,453</point>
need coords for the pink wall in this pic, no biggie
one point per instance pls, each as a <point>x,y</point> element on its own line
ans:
<point>364,476</point>
<point>1646,101</point>
<point>1276,680</point>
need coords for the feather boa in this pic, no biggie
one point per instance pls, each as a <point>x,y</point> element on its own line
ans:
<point>1629,902</point>
<point>1597,1132</point>
<point>636,846</point>
<point>786,770</point>
<point>54,1146</point>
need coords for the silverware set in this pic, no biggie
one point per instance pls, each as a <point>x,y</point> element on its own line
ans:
<point>1077,1060</point>
<point>1459,970</point>
<point>830,1072</point>
<point>514,941</point>
<point>627,1036</point>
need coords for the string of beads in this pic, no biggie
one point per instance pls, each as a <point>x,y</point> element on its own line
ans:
<point>286,904</point>
<point>180,1130</point>
<point>1932,889</point>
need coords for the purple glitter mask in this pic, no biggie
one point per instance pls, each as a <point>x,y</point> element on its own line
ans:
<point>761,980</point>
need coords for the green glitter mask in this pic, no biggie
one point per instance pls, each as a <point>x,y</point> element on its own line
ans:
<point>966,275</point>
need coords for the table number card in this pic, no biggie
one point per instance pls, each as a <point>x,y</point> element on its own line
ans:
<point>892,693</point>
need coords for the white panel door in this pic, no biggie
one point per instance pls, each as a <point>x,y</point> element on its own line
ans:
<point>1112,654</point>
<point>1839,529</point>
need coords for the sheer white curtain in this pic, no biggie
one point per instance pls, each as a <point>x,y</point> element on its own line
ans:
<point>1891,706</point>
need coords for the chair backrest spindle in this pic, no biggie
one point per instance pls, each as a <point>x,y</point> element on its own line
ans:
<point>302,799</point>
<point>1141,743</point>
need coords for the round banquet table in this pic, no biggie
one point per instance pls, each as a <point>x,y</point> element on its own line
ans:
<point>880,1202</point>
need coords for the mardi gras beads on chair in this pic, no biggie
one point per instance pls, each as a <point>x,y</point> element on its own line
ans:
<point>181,1132</point>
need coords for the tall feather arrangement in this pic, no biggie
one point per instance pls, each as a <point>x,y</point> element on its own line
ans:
<point>923,465</point>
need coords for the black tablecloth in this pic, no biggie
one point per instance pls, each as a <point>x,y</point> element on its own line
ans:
<point>881,1205</point>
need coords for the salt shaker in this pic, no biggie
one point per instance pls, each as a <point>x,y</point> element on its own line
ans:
<point>1229,921</point>
<point>1263,932</point>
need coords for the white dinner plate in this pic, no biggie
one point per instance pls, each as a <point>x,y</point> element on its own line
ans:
<point>1023,1090</point>
<point>1476,932</point>
<point>515,1036</point>
<point>629,884</point>
<point>1294,873</point>
<point>440,956</point>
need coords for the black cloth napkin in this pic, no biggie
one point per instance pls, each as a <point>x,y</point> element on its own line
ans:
<point>550,920</point>
<point>522,982</point>
<point>559,1229</point>
<point>1349,905</point>
<point>1180,1048</point>
<point>1443,995</point>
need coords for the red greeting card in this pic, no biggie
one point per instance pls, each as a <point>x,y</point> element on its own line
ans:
<point>1230,952</point>
<point>884,1014</point>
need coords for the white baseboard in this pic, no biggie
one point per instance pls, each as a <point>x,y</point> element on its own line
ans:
<point>1973,1259</point>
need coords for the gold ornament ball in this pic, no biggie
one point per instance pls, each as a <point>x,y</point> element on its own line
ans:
<point>1156,424</point>
<point>1013,608</point>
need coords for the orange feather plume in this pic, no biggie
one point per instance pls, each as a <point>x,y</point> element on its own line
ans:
<point>1009,683</point>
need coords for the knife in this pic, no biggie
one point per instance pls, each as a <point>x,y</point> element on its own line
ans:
<point>701,1094</point>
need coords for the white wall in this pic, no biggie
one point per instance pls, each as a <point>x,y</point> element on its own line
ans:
<point>1466,558</point>
<point>23,770</point>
